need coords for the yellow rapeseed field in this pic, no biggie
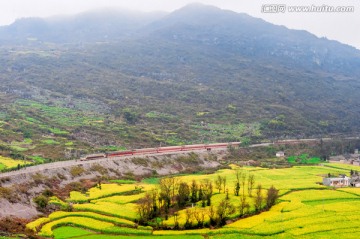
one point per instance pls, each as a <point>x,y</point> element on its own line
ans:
<point>107,190</point>
<point>60,214</point>
<point>84,222</point>
<point>35,225</point>
<point>127,211</point>
<point>12,163</point>
<point>305,210</point>
<point>120,199</point>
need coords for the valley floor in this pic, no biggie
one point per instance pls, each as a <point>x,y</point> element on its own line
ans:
<point>306,209</point>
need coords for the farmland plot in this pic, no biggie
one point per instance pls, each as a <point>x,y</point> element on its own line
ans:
<point>305,209</point>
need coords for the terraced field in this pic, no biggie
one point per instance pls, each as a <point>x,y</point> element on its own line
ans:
<point>8,163</point>
<point>305,209</point>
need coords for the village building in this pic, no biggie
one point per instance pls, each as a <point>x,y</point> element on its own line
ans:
<point>355,181</point>
<point>353,159</point>
<point>280,154</point>
<point>342,181</point>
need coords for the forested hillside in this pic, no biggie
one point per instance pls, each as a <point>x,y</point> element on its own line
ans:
<point>111,80</point>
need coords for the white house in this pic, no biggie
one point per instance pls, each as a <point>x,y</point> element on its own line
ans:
<point>342,181</point>
<point>280,154</point>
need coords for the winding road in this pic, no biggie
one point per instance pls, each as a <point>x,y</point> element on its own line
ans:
<point>70,163</point>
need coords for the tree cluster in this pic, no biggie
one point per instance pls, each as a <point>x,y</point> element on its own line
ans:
<point>171,196</point>
<point>174,195</point>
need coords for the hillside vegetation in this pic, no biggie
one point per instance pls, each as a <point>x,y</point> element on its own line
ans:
<point>103,81</point>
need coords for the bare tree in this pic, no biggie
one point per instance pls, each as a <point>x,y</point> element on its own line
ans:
<point>243,181</point>
<point>224,183</point>
<point>258,200</point>
<point>243,205</point>
<point>145,209</point>
<point>176,220</point>
<point>211,214</point>
<point>175,182</point>
<point>251,183</point>
<point>223,211</point>
<point>218,183</point>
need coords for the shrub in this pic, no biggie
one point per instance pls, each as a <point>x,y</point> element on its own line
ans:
<point>41,201</point>
<point>97,167</point>
<point>76,171</point>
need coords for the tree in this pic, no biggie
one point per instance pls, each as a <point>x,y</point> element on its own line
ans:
<point>145,209</point>
<point>176,221</point>
<point>251,183</point>
<point>175,182</point>
<point>272,196</point>
<point>218,183</point>
<point>189,214</point>
<point>154,196</point>
<point>165,194</point>
<point>224,183</point>
<point>208,190</point>
<point>99,183</point>
<point>194,191</point>
<point>223,211</point>
<point>243,181</point>
<point>238,174</point>
<point>201,195</point>
<point>258,198</point>
<point>183,194</point>
<point>199,215</point>
<point>243,205</point>
<point>211,214</point>
<point>237,188</point>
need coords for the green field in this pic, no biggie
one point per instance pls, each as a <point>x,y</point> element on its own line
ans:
<point>303,159</point>
<point>305,209</point>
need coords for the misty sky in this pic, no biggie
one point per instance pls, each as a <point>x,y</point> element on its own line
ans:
<point>343,27</point>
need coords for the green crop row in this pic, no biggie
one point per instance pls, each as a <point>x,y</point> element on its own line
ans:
<point>119,221</point>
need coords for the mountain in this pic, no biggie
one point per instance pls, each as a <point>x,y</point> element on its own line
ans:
<point>198,74</point>
<point>255,38</point>
<point>100,25</point>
